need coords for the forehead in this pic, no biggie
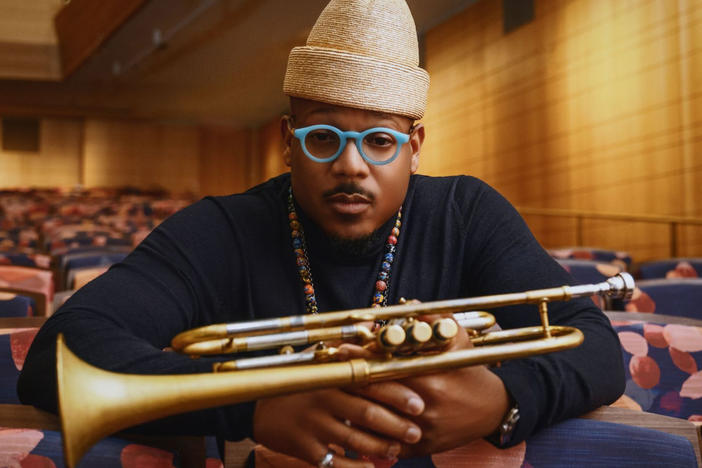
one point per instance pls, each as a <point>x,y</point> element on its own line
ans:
<point>303,110</point>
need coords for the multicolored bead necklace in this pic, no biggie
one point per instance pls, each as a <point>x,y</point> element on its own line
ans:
<point>382,284</point>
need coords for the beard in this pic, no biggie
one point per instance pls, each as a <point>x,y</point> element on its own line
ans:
<point>355,246</point>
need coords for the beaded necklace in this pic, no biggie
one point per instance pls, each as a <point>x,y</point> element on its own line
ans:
<point>297,233</point>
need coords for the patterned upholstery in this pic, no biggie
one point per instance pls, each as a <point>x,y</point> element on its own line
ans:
<point>14,344</point>
<point>575,442</point>
<point>671,268</point>
<point>621,259</point>
<point>26,447</point>
<point>42,448</point>
<point>662,364</point>
<point>679,297</point>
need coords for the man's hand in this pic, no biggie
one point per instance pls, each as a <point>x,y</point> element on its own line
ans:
<point>372,421</point>
<point>461,405</point>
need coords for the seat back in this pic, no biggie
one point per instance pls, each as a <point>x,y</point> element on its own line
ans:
<point>615,257</point>
<point>671,268</point>
<point>36,283</point>
<point>662,358</point>
<point>680,297</point>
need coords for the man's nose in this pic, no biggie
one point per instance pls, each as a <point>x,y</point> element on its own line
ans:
<point>350,163</point>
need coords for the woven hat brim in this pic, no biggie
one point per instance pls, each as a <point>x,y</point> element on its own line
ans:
<point>351,80</point>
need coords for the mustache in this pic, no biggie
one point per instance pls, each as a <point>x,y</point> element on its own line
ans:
<point>349,188</point>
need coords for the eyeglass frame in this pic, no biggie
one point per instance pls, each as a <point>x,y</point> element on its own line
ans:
<point>344,136</point>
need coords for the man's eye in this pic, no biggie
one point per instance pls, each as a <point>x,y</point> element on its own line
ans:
<point>380,139</point>
<point>322,136</point>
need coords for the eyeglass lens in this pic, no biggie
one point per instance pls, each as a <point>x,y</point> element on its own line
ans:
<point>324,143</point>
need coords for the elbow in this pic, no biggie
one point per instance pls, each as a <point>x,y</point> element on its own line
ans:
<point>36,384</point>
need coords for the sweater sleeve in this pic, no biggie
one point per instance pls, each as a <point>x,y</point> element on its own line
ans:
<point>503,256</point>
<point>123,320</point>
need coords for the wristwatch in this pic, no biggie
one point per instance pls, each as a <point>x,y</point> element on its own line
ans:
<point>505,430</point>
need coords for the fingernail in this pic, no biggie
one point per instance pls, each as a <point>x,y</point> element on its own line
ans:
<point>415,405</point>
<point>412,435</point>
<point>393,451</point>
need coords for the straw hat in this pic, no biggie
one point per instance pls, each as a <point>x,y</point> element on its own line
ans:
<point>362,54</point>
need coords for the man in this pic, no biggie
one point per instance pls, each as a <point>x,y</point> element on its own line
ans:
<point>350,226</point>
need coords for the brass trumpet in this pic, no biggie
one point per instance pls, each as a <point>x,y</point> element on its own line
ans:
<point>94,403</point>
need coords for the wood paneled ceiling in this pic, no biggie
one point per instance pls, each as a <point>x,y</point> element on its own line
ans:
<point>201,61</point>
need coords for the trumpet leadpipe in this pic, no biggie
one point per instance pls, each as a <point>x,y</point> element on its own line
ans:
<point>618,286</point>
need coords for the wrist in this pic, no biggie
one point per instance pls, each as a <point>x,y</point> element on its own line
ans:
<point>502,435</point>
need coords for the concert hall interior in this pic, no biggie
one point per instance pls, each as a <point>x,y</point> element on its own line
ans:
<point>585,115</point>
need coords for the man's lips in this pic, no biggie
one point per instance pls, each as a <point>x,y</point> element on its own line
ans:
<point>348,204</point>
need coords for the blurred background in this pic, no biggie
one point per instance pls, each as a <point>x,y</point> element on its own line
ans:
<point>585,114</point>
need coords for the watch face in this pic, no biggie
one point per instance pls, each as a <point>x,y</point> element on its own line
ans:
<point>508,425</point>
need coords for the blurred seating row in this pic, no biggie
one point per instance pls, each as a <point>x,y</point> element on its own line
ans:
<point>606,437</point>
<point>31,438</point>
<point>58,240</point>
<point>668,286</point>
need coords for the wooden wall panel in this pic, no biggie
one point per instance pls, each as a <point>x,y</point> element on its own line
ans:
<point>119,153</point>
<point>271,150</point>
<point>225,160</point>
<point>57,163</point>
<point>594,106</point>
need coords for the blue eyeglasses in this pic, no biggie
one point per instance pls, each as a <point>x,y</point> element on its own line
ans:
<point>324,143</point>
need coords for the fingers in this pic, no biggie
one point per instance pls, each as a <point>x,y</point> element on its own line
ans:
<point>348,351</point>
<point>338,460</point>
<point>393,394</point>
<point>304,425</point>
<point>377,418</point>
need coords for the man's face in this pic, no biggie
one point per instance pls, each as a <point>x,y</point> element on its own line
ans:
<point>349,197</point>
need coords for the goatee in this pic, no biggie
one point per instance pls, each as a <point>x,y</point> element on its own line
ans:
<point>355,246</point>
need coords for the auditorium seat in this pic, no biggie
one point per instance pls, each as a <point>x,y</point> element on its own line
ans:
<point>608,437</point>
<point>30,437</point>
<point>671,268</point>
<point>36,283</point>
<point>615,257</point>
<point>79,277</point>
<point>14,344</point>
<point>681,297</point>
<point>71,261</point>
<point>589,272</point>
<point>25,259</point>
<point>13,305</point>
<point>662,358</point>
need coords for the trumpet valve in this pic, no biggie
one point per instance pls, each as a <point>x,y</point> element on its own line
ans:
<point>444,329</point>
<point>391,336</point>
<point>418,332</point>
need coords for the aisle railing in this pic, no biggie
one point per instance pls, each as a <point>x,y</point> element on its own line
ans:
<point>673,222</point>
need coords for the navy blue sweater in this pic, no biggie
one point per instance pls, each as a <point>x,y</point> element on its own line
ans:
<point>228,259</point>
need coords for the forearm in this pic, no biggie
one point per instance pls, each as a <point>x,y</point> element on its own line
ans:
<point>565,384</point>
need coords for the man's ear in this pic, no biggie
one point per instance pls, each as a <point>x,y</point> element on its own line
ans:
<point>416,141</point>
<point>287,138</point>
